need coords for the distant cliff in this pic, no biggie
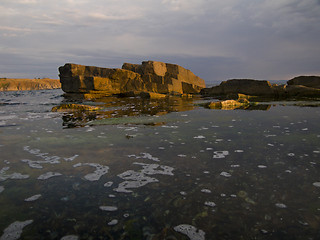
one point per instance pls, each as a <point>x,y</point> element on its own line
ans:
<point>16,84</point>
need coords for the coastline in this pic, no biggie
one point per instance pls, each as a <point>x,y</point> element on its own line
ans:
<point>24,84</point>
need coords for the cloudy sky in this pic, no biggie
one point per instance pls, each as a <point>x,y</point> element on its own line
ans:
<point>216,39</point>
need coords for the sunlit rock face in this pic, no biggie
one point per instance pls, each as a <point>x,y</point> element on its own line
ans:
<point>166,78</point>
<point>76,78</point>
<point>150,76</point>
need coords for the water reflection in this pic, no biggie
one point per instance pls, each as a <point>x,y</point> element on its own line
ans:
<point>79,112</point>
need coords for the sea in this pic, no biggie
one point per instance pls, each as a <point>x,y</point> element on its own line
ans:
<point>131,168</point>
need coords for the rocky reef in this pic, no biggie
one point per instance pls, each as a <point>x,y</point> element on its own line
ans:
<point>133,79</point>
<point>297,88</point>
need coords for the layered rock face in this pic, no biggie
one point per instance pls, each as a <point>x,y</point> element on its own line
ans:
<point>76,78</point>
<point>165,78</point>
<point>150,76</point>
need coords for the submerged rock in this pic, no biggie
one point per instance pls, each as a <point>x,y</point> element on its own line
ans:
<point>147,78</point>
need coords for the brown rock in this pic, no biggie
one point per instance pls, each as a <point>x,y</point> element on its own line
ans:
<point>150,76</point>
<point>76,78</point>
<point>167,78</point>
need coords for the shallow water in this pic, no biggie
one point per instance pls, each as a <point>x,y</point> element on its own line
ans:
<point>138,169</point>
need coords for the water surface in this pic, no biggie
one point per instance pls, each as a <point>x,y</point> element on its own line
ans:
<point>146,169</point>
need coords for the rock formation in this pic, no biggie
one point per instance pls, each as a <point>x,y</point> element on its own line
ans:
<point>150,76</point>
<point>307,81</point>
<point>301,87</point>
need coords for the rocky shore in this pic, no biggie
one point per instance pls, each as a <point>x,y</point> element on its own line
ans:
<point>297,88</point>
<point>245,93</point>
<point>16,84</point>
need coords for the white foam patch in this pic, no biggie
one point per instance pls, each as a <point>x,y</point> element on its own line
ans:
<point>199,137</point>
<point>4,176</point>
<point>136,179</point>
<point>235,166</point>
<point>70,237</point>
<point>108,208</point>
<point>205,190</point>
<point>192,232</point>
<point>113,222</point>
<point>281,205</point>
<point>14,230</point>
<point>220,154</point>
<point>46,158</point>
<point>239,151</point>
<point>145,156</point>
<point>108,184</point>
<point>48,175</point>
<point>210,204</point>
<point>97,174</point>
<point>316,184</point>
<point>225,174</point>
<point>33,198</point>
<point>1,189</point>
<point>262,166</point>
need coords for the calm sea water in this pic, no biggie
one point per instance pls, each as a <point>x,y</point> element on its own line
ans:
<point>169,169</point>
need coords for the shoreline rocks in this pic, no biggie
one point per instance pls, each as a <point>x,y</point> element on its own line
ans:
<point>133,79</point>
<point>296,88</point>
<point>16,84</point>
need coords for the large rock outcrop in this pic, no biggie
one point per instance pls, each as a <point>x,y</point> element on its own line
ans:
<point>264,89</point>
<point>307,81</point>
<point>150,76</point>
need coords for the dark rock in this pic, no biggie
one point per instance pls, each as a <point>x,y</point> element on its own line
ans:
<point>307,81</point>
<point>262,90</point>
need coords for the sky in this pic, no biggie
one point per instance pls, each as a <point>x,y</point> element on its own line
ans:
<point>215,39</point>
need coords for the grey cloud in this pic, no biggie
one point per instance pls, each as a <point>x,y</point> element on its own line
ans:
<point>215,39</point>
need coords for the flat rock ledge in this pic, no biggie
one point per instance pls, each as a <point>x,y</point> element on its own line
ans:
<point>150,80</point>
<point>303,87</point>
